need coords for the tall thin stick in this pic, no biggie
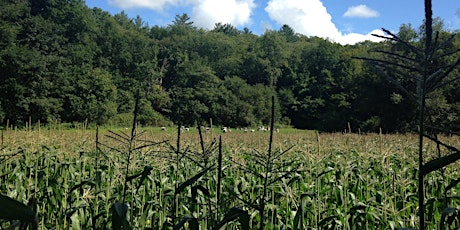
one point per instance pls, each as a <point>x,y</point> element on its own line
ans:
<point>268,167</point>
<point>176,198</point>
<point>421,95</point>
<point>98,175</point>
<point>131,143</point>
<point>219,178</point>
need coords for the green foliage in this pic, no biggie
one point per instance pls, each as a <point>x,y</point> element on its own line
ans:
<point>93,97</point>
<point>417,72</point>
<point>14,210</point>
<point>226,29</point>
<point>317,180</point>
<point>52,51</point>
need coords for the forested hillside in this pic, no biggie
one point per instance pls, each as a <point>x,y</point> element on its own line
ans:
<point>62,61</point>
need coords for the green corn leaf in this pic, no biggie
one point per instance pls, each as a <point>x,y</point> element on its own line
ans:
<point>328,169</point>
<point>75,222</point>
<point>145,173</point>
<point>303,195</point>
<point>294,178</point>
<point>192,180</point>
<point>358,206</point>
<point>298,218</point>
<point>452,184</point>
<point>242,215</point>
<point>285,175</point>
<point>325,221</point>
<point>81,185</point>
<point>248,203</point>
<point>96,217</point>
<point>98,178</point>
<point>119,221</point>
<point>130,178</point>
<point>73,210</point>
<point>440,162</point>
<point>204,190</point>
<point>195,193</point>
<point>15,210</point>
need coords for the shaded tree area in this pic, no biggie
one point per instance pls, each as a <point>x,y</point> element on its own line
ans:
<point>62,61</point>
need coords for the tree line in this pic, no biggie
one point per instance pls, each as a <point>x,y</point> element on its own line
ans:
<point>63,61</point>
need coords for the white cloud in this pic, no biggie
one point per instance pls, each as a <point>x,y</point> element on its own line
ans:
<point>151,4</point>
<point>206,13</point>
<point>361,11</point>
<point>353,38</point>
<point>310,17</point>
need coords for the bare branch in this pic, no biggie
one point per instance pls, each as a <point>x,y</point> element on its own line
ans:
<point>388,63</point>
<point>399,56</point>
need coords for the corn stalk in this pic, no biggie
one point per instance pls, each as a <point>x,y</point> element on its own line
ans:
<point>428,77</point>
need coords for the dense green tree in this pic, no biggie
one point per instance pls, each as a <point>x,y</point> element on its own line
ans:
<point>223,53</point>
<point>237,111</point>
<point>273,47</point>
<point>93,97</point>
<point>182,25</point>
<point>183,20</point>
<point>226,28</point>
<point>289,33</point>
<point>320,88</point>
<point>259,96</point>
<point>38,6</point>
<point>28,87</point>
<point>246,31</point>
<point>60,60</point>
<point>193,88</point>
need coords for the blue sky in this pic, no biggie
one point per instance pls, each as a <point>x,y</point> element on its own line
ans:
<point>344,21</point>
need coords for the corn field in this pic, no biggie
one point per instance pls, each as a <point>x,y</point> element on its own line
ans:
<point>83,179</point>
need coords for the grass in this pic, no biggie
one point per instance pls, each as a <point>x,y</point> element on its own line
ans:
<point>344,181</point>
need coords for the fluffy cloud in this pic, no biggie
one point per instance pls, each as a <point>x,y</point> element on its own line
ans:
<point>206,13</point>
<point>151,4</point>
<point>353,38</point>
<point>361,11</point>
<point>311,18</point>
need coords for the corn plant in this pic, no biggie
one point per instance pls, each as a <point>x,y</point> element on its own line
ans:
<point>131,144</point>
<point>358,181</point>
<point>268,169</point>
<point>420,66</point>
<point>200,193</point>
<point>19,214</point>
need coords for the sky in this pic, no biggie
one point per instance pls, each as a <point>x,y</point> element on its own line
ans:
<point>342,21</point>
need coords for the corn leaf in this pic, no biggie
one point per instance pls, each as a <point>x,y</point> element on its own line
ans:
<point>452,184</point>
<point>119,221</point>
<point>242,215</point>
<point>298,218</point>
<point>440,162</point>
<point>145,173</point>
<point>81,185</point>
<point>15,210</point>
<point>192,180</point>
